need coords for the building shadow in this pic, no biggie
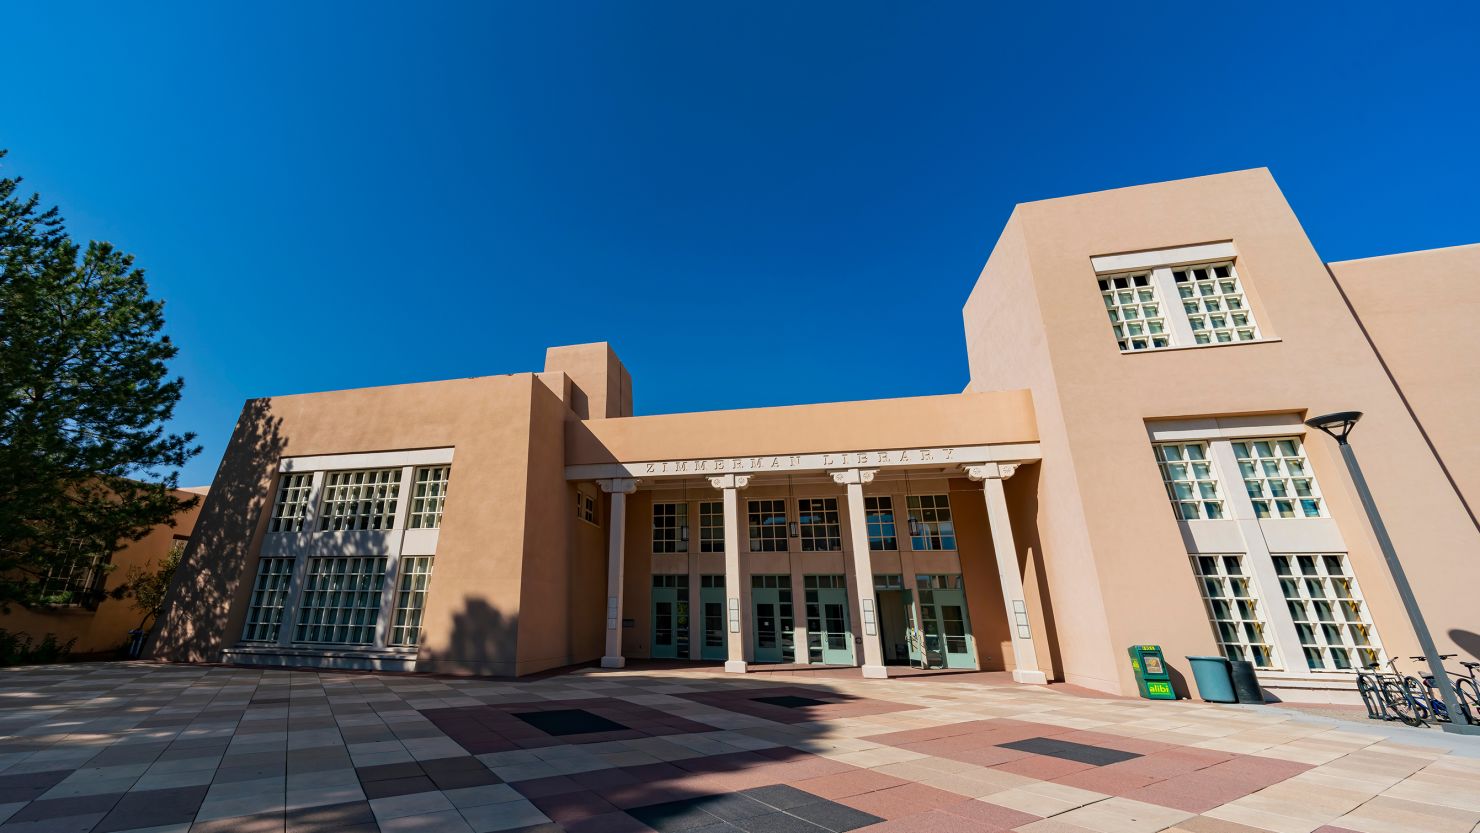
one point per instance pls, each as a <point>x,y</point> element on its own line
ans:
<point>1023,497</point>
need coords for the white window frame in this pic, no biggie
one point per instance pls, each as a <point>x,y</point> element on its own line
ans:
<point>1254,470</point>
<point>1178,315</point>
<point>1179,468</point>
<point>711,526</point>
<point>670,520</point>
<point>291,507</point>
<point>764,537</point>
<point>1245,611</point>
<point>428,496</point>
<point>360,499</point>
<point>1299,581</point>
<point>875,509</point>
<point>824,535</point>
<point>930,537</point>
<point>411,595</point>
<point>340,603</point>
<point>272,589</point>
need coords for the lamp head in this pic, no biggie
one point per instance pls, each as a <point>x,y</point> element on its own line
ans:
<point>1338,425</point>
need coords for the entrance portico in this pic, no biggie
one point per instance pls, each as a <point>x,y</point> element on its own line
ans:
<point>782,575</point>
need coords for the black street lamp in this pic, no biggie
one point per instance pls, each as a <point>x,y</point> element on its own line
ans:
<point>1339,425</point>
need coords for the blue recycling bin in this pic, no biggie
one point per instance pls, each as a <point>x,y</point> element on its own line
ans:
<point>1214,677</point>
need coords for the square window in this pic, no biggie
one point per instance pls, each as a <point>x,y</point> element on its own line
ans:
<point>931,527</point>
<point>767,525</point>
<point>670,527</point>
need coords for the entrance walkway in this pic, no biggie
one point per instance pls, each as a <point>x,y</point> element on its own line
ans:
<point>169,749</point>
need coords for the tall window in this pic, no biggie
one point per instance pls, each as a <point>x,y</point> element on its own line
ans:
<point>1327,609</point>
<point>930,522</point>
<point>670,527</point>
<point>879,512</point>
<point>1214,303</point>
<point>820,528</point>
<point>585,507</point>
<point>1135,312</point>
<point>712,526</point>
<point>767,525</point>
<point>1187,473</point>
<point>290,509</point>
<point>1238,621</point>
<point>269,594</point>
<point>427,496</point>
<point>341,600</point>
<point>1278,478</point>
<point>360,499</point>
<point>411,594</point>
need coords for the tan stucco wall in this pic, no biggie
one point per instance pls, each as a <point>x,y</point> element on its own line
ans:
<point>1419,310</point>
<point>107,627</point>
<point>922,421</point>
<point>1123,551</point>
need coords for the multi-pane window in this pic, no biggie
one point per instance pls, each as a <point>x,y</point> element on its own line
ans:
<point>767,525</point>
<point>77,581</point>
<point>712,526</point>
<point>360,499</point>
<point>290,510</point>
<point>1278,478</point>
<point>1135,313</point>
<point>341,600</point>
<point>585,507</point>
<point>715,580</point>
<point>1326,606</point>
<point>889,582</point>
<point>821,530</point>
<point>1187,472</point>
<point>411,595</point>
<point>1214,303</point>
<point>879,514</point>
<point>670,527</point>
<point>428,493</point>
<point>1238,621</point>
<point>269,594</point>
<point>930,522</point>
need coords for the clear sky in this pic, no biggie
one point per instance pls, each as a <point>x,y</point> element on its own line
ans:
<point>755,204</point>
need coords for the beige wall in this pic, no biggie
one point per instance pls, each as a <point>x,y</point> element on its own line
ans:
<point>1116,566</point>
<point>106,628</point>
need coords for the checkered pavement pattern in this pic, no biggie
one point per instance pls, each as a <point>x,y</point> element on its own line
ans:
<point>108,747</point>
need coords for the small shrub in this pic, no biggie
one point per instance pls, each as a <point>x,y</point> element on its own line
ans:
<point>21,649</point>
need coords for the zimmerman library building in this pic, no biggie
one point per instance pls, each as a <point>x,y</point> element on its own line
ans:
<point>1128,464</point>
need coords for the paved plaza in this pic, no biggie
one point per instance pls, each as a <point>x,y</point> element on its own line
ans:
<point>139,746</point>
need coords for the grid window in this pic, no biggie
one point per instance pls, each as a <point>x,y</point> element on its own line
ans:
<point>1238,622</point>
<point>290,510</point>
<point>411,596</point>
<point>824,582</point>
<point>712,526</point>
<point>341,600</point>
<point>767,525</point>
<point>670,527</point>
<point>1187,472</point>
<point>1214,303</point>
<point>269,594</point>
<point>428,494</point>
<point>930,522</point>
<point>76,582</point>
<point>1326,606</point>
<point>360,499</point>
<point>879,513</point>
<point>1278,478</point>
<point>585,507</point>
<point>769,582</point>
<point>888,582</point>
<point>1135,312</point>
<point>715,580</point>
<point>820,528</point>
<point>949,581</point>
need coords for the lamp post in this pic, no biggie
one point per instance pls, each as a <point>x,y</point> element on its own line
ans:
<point>1338,426</point>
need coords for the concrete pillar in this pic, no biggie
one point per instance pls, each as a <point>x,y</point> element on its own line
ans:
<point>1025,656</point>
<point>619,489</point>
<point>863,570</point>
<point>730,485</point>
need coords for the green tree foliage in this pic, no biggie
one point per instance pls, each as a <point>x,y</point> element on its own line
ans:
<point>85,463</point>
<point>147,584</point>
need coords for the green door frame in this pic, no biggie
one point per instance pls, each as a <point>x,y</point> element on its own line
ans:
<point>829,634</point>
<point>945,620</point>
<point>670,609</point>
<point>771,620</point>
<point>712,644</point>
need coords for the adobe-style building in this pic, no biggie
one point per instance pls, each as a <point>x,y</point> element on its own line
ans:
<point>1127,465</point>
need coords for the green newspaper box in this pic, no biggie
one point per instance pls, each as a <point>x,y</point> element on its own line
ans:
<point>1152,677</point>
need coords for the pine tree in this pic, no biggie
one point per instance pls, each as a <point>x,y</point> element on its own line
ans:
<point>85,462</point>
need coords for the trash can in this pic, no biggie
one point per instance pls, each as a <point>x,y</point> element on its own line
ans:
<point>1214,679</point>
<point>1152,677</point>
<point>1246,682</point>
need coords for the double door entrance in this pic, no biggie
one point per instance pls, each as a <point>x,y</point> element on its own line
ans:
<point>671,616</point>
<point>926,625</point>
<point>774,620</point>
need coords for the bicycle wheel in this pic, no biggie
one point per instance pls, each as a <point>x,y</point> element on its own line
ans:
<point>1371,698</point>
<point>1418,695</point>
<point>1399,704</point>
<point>1469,698</point>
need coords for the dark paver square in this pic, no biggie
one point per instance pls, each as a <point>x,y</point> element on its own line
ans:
<point>835,817</point>
<point>334,817</point>
<point>154,808</point>
<point>569,722</point>
<point>387,772</point>
<point>461,763</point>
<point>675,816</point>
<point>397,786</point>
<point>57,808</point>
<point>781,796</point>
<point>1070,751</point>
<point>777,823</point>
<point>458,779</point>
<point>790,701</point>
<point>734,806</point>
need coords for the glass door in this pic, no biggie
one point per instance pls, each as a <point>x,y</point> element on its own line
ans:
<point>771,618</point>
<point>670,617</point>
<point>712,608</point>
<point>829,639</point>
<point>945,628</point>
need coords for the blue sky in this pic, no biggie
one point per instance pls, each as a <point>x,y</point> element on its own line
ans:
<point>756,204</point>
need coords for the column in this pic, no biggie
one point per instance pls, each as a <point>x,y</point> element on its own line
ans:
<point>863,569</point>
<point>1024,654</point>
<point>730,485</point>
<point>619,489</point>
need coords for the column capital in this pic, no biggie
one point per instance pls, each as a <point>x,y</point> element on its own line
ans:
<point>618,485</point>
<point>730,481</point>
<point>850,476</point>
<point>991,471</point>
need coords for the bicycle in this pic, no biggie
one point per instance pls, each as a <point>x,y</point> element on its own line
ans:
<point>1388,696</point>
<point>1465,690</point>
